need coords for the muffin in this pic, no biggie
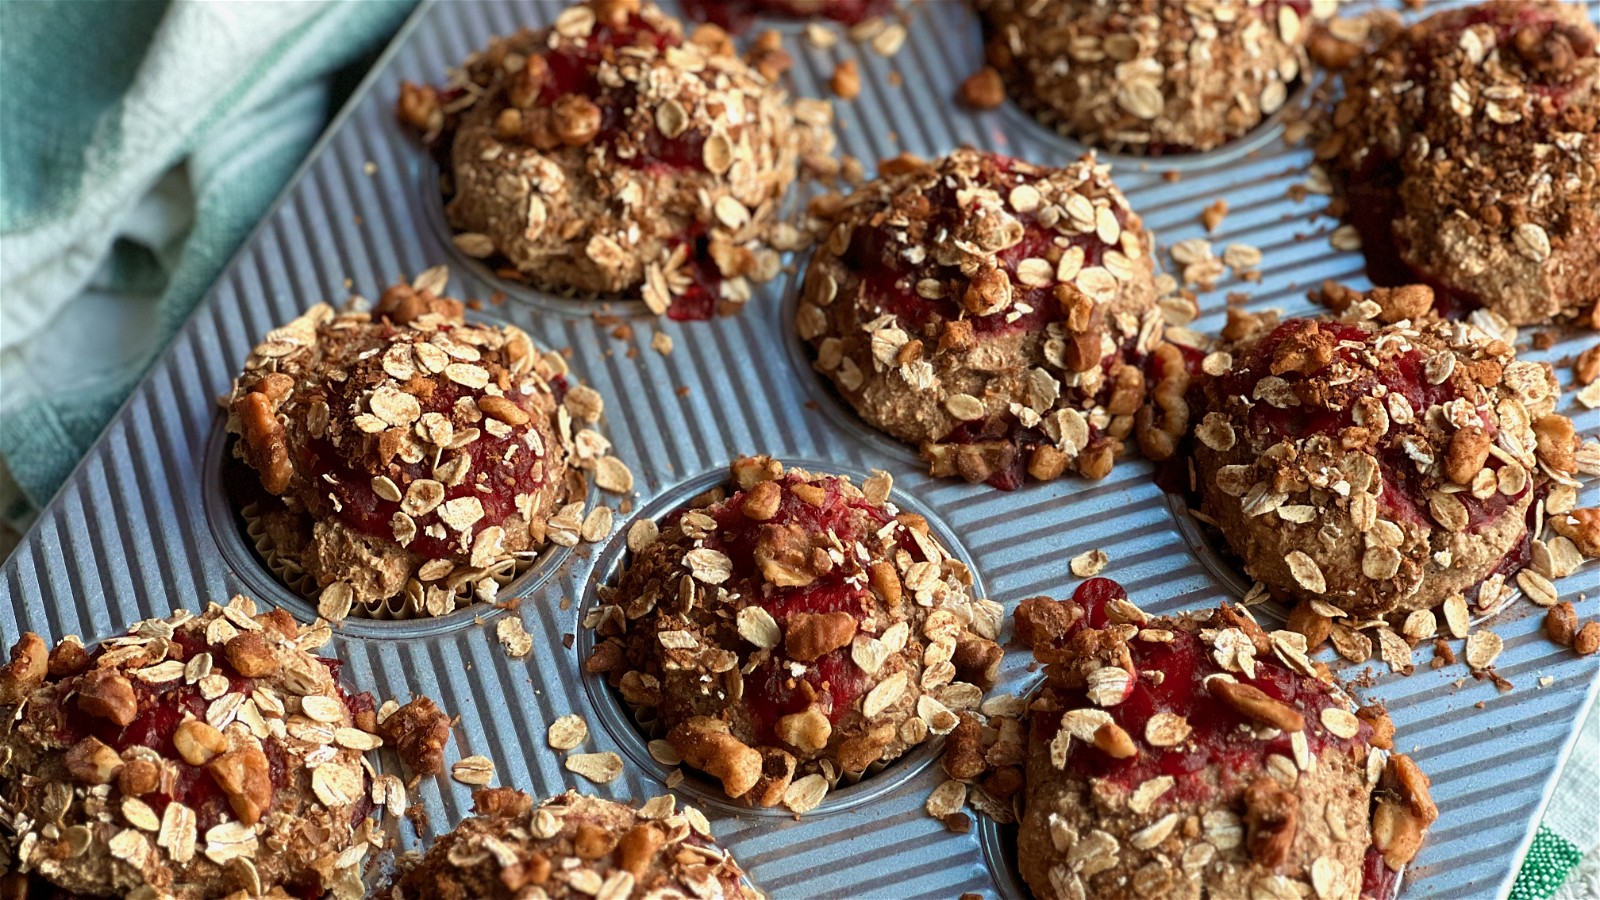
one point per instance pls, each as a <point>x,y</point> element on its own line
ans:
<point>569,847</point>
<point>994,313</point>
<point>1200,756</point>
<point>1150,76</point>
<point>609,155</point>
<point>794,633</point>
<point>1383,460</point>
<point>198,756</point>
<point>1465,150</point>
<point>409,459</point>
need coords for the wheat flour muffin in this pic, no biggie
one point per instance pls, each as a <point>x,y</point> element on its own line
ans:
<point>994,313</point>
<point>795,632</point>
<point>411,459</point>
<point>611,155</point>
<point>1200,756</point>
<point>177,761</point>
<point>1465,149</point>
<point>572,846</point>
<point>1150,76</point>
<point>1382,460</point>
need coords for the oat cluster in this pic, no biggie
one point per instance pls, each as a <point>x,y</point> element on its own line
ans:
<point>1150,76</point>
<point>197,756</point>
<point>416,455</point>
<point>1382,460</point>
<point>1202,756</point>
<point>610,155</point>
<point>794,633</point>
<point>571,847</point>
<point>995,313</point>
<point>1467,147</point>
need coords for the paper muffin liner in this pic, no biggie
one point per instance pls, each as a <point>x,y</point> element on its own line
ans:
<point>408,605</point>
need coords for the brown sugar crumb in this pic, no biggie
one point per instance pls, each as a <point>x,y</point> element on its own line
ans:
<point>1213,215</point>
<point>983,89</point>
<point>418,731</point>
<point>1442,654</point>
<point>846,80</point>
<point>1586,369</point>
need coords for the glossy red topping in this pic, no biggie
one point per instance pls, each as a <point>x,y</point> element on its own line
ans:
<point>1404,495</point>
<point>1221,752</point>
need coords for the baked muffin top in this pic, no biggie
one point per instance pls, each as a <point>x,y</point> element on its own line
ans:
<point>798,630</point>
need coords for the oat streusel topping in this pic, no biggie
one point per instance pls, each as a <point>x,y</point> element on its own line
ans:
<point>796,631</point>
<point>609,154</point>
<point>571,847</point>
<point>1151,76</point>
<point>197,756</point>
<point>995,313</point>
<point>1465,149</point>
<point>1202,756</point>
<point>1381,460</point>
<point>414,453</point>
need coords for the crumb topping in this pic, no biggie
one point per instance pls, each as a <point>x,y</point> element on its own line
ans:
<point>995,312</point>
<point>1466,148</point>
<point>794,632</point>
<point>1151,76</point>
<point>1145,723</point>
<point>1395,454</point>
<point>196,756</point>
<point>450,447</point>
<point>609,154</point>
<point>572,846</point>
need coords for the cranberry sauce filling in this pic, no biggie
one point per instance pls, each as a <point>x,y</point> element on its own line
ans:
<point>574,70</point>
<point>738,15</point>
<point>1222,752</point>
<point>877,256</point>
<point>1371,193</point>
<point>163,705</point>
<point>698,302</point>
<point>833,682</point>
<point>1378,881</point>
<point>1404,494</point>
<point>493,478</point>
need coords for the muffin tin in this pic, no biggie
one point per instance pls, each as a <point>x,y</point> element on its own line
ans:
<point>142,526</point>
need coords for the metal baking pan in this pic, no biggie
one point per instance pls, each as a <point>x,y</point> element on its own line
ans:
<point>141,527</point>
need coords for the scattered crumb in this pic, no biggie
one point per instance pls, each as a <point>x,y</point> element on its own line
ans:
<point>1213,215</point>
<point>846,80</point>
<point>661,342</point>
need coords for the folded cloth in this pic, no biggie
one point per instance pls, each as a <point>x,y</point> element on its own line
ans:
<point>130,178</point>
<point>1564,861</point>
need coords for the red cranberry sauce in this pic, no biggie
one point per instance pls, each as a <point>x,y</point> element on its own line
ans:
<point>1222,753</point>
<point>833,681</point>
<point>574,70</point>
<point>1404,494</point>
<point>162,706</point>
<point>738,15</point>
<point>877,256</point>
<point>1378,881</point>
<point>500,469</point>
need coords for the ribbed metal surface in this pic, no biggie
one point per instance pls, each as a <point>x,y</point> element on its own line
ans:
<point>129,536</point>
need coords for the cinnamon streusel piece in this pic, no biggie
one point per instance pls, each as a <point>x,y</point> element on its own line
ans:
<point>197,756</point>
<point>1200,756</point>
<point>795,632</point>
<point>1150,76</point>
<point>1465,149</point>
<point>610,154</point>
<point>995,313</point>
